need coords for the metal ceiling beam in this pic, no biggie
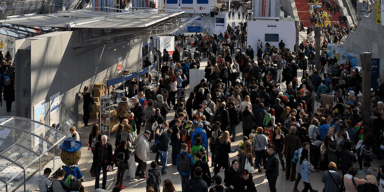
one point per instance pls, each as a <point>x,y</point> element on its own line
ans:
<point>12,161</point>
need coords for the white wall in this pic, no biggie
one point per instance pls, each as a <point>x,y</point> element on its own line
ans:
<point>257,30</point>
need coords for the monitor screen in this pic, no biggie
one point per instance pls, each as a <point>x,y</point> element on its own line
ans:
<point>272,37</point>
<point>219,20</point>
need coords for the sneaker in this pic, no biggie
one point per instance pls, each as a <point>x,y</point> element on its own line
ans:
<point>123,187</point>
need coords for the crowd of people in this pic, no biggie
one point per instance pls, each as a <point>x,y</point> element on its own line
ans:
<point>312,124</point>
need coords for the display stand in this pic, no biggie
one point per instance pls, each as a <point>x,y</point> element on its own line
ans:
<point>105,114</point>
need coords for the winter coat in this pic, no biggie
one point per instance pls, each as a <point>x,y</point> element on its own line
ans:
<point>122,109</point>
<point>305,173</point>
<point>260,113</point>
<point>142,148</point>
<point>204,139</point>
<point>248,120</point>
<point>260,142</point>
<point>329,183</point>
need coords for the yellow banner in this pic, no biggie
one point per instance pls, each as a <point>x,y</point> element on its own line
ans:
<point>378,12</point>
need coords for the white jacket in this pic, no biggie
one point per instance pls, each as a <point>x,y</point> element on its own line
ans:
<point>142,150</point>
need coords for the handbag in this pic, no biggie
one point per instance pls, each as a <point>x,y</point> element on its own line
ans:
<point>248,166</point>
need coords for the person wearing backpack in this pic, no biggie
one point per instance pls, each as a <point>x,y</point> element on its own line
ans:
<point>120,159</point>
<point>59,185</point>
<point>156,120</point>
<point>295,161</point>
<point>184,163</point>
<point>44,182</point>
<point>154,177</point>
<point>200,132</point>
<point>163,106</point>
<point>198,148</point>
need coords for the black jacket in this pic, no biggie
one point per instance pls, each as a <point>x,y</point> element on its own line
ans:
<point>224,119</point>
<point>122,149</point>
<point>197,184</point>
<point>176,56</point>
<point>103,158</point>
<point>138,111</point>
<point>278,112</point>
<point>247,185</point>
<point>164,142</point>
<point>232,178</point>
<point>272,168</point>
<point>220,188</point>
<point>206,173</point>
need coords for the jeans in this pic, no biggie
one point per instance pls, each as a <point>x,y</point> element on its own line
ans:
<point>97,171</point>
<point>185,183</point>
<point>279,75</point>
<point>272,183</point>
<point>175,151</point>
<point>163,157</point>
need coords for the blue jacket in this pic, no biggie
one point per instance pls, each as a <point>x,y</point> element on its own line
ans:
<point>185,67</point>
<point>204,139</point>
<point>305,173</point>
<point>324,130</point>
<point>75,171</point>
<point>190,162</point>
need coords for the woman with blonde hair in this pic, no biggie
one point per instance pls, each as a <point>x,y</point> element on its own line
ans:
<point>286,112</point>
<point>246,102</point>
<point>331,178</point>
<point>225,149</point>
<point>236,97</point>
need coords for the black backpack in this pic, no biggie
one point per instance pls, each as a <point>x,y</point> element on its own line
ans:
<point>119,159</point>
<point>153,180</point>
<point>183,163</point>
<point>163,111</point>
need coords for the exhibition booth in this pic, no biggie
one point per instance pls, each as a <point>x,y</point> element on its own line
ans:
<point>272,32</point>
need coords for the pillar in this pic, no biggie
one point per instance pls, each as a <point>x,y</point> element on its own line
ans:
<point>366,64</point>
<point>317,42</point>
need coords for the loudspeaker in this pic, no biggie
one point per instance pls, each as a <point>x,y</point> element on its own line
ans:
<point>212,14</point>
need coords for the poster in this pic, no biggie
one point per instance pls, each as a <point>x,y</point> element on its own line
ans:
<point>172,4</point>
<point>378,12</point>
<point>54,113</point>
<point>331,50</point>
<point>39,115</point>
<point>353,58</point>
<point>343,56</point>
<point>120,64</point>
<point>2,43</point>
<point>202,6</point>
<point>188,6</point>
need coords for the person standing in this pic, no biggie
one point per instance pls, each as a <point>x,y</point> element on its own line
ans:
<point>103,154</point>
<point>246,184</point>
<point>163,147</point>
<point>175,139</point>
<point>122,109</point>
<point>291,144</point>
<point>87,104</point>
<point>272,168</point>
<point>218,185</point>
<point>306,171</point>
<point>331,178</point>
<point>121,161</point>
<point>184,165</point>
<point>197,184</point>
<point>137,111</point>
<point>142,154</point>
<point>260,142</point>
<point>44,182</point>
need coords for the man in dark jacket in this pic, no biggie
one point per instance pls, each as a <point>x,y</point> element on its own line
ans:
<point>147,63</point>
<point>197,184</point>
<point>291,144</point>
<point>272,168</point>
<point>218,185</point>
<point>222,115</point>
<point>204,166</point>
<point>249,52</point>
<point>278,110</point>
<point>246,184</point>
<point>163,147</point>
<point>137,110</point>
<point>281,45</point>
<point>103,158</point>
<point>176,55</point>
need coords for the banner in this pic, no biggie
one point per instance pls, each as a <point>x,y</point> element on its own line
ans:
<point>354,59</point>
<point>202,6</point>
<point>187,6</point>
<point>382,12</point>
<point>54,114</point>
<point>39,115</point>
<point>378,12</point>
<point>331,50</point>
<point>171,4</point>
